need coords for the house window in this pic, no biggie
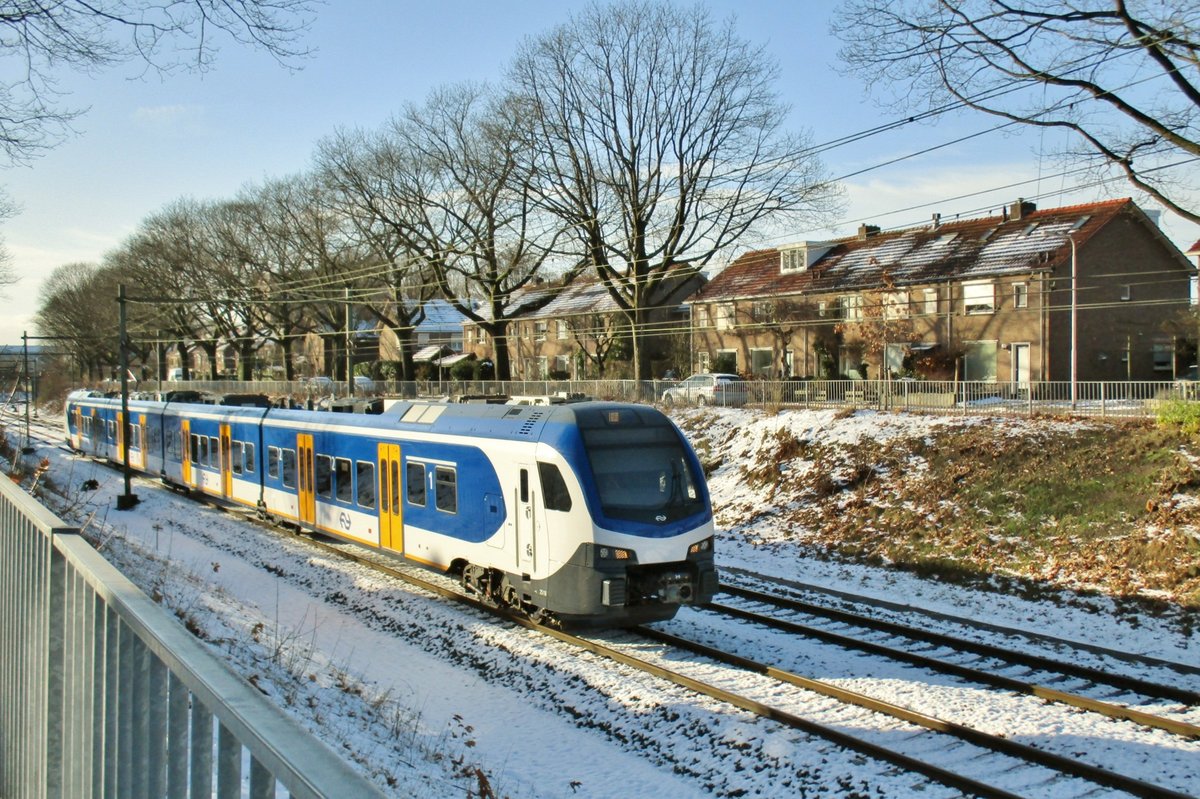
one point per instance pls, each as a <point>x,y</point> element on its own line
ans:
<point>852,307</point>
<point>562,364</point>
<point>701,316</point>
<point>979,362</point>
<point>822,308</point>
<point>564,330</point>
<point>1020,295</point>
<point>1164,356</point>
<point>539,331</point>
<point>725,317</point>
<point>1126,291</point>
<point>930,303</point>
<point>793,260</point>
<point>705,362</point>
<point>895,304</point>
<point>893,358</point>
<point>762,362</point>
<point>979,297</point>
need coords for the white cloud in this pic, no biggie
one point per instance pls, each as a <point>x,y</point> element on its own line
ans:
<point>168,116</point>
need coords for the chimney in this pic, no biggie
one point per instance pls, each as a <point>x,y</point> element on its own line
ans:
<point>937,221</point>
<point>1021,209</point>
<point>866,231</point>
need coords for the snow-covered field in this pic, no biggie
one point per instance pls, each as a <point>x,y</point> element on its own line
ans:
<point>429,697</point>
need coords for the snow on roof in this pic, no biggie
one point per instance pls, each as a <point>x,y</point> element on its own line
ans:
<point>984,247</point>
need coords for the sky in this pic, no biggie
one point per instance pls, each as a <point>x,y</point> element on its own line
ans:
<point>148,140</point>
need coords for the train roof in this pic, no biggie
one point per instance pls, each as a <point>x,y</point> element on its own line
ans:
<point>516,422</point>
<point>513,422</point>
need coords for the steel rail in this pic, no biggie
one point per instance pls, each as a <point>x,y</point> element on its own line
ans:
<point>898,607</point>
<point>1066,765</point>
<point>1108,709</point>
<point>1137,685</point>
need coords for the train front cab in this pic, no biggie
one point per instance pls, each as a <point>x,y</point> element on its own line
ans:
<point>651,548</point>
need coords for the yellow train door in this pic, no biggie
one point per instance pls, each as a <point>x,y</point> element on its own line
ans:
<point>121,454</point>
<point>141,442</point>
<point>391,522</point>
<point>305,479</point>
<point>185,435</point>
<point>77,439</point>
<point>226,462</point>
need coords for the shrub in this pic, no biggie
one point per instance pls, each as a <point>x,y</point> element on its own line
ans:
<point>1179,413</point>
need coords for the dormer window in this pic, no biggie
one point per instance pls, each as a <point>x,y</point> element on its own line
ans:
<point>798,258</point>
<point>793,260</point>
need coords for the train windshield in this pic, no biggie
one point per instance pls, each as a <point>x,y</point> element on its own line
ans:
<point>642,470</point>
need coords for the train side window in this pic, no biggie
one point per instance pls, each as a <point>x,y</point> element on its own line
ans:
<point>366,484</point>
<point>345,480</point>
<point>446,489</point>
<point>203,455</point>
<point>273,462</point>
<point>524,485</point>
<point>324,466</point>
<point>248,448</point>
<point>414,481</point>
<point>214,452</point>
<point>288,470</point>
<point>554,489</point>
<point>135,437</point>
<point>235,456</point>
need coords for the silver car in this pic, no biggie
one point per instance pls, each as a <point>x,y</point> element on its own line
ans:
<point>708,389</point>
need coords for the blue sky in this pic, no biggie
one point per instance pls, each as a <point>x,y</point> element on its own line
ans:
<point>147,141</point>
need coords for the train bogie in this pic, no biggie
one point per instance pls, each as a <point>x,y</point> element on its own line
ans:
<point>586,513</point>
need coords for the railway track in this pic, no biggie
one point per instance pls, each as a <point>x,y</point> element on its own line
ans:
<point>920,753</point>
<point>916,743</point>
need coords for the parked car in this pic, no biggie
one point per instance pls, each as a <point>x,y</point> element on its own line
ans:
<point>708,389</point>
<point>363,383</point>
<point>319,385</point>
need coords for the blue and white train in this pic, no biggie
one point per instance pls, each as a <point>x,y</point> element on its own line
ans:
<point>580,513</point>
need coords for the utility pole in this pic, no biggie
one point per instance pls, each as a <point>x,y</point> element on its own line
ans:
<point>28,449</point>
<point>127,500</point>
<point>349,358</point>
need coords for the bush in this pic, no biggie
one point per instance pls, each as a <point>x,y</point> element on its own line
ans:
<point>1179,413</point>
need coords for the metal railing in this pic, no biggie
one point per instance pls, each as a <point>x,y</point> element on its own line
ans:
<point>104,694</point>
<point>1084,398</point>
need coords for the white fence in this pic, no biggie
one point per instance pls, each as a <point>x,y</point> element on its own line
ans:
<point>1090,398</point>
<point>105,694</point>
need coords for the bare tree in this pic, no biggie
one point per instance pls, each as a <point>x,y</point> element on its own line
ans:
<point>165,264</point>
<point>38,39</point>
<point>1121,78</point>
<point>449,180</point>
<point>77,305</point>
<point>658,138</point>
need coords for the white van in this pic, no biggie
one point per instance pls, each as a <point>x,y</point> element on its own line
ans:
<point>175,374</point>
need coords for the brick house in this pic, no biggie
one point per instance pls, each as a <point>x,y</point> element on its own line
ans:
<point>581,333</point>
<point>979,299</point>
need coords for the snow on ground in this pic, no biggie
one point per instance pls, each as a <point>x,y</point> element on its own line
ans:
<point>430,696</point>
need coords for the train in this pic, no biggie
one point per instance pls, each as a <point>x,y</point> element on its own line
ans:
<point>585,514</point>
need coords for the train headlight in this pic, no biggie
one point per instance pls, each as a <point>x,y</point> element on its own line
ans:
<point>701,546</point>
<point>612,553</point>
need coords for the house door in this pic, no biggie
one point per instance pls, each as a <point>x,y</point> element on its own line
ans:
<point>1020,367</point>
<point>304,479</point>
<point>391,527</point>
